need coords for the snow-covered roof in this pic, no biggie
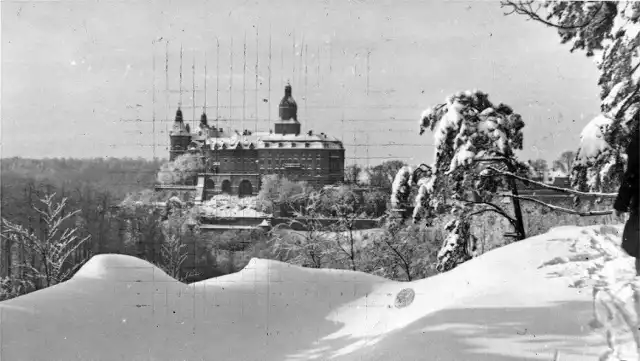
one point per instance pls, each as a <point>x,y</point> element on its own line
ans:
<point>267,140</point>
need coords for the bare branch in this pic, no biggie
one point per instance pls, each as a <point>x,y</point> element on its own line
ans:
<point>562,209</point>
<point>559,189</point>
<point>484,210</point>
<point>525,8</point>
<point>495,208</point>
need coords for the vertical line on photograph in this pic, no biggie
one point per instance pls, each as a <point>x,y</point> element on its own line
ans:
<point>306,95</point>
<point>300,69</point>
<point>330,56</point>
<point>269,94</point>
<point>244,83</point>
<point>153,99</point>
<point>368,68</point>
<point>230,81</point>
<point>257,60</point>
<point>193,92</point>
<point>180,99</point>
<point>204,106</point>
<point>167,106</point>
<point>318,69</point>
<point>217,82</point>
<point>293,58</point>
<point>367,148</point>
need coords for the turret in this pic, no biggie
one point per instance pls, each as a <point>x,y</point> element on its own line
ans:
<point>288,106</point>
<point>180,136</point>
<point>288,110</point>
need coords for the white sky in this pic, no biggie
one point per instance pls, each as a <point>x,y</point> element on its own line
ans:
<point>71,70</point>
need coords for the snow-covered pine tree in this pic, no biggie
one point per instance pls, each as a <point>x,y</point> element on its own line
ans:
<point>475,141</point>
<point>610,32</point>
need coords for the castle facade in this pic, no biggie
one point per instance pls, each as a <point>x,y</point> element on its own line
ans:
<point>235,163</point>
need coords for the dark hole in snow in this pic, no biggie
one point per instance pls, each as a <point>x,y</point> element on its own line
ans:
<point>405,297</point>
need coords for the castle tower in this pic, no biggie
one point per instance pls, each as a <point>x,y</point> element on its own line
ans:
<point>288,111</point>
<point>180,137</point>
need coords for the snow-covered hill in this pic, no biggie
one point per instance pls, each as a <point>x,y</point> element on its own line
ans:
<point>525,301</point>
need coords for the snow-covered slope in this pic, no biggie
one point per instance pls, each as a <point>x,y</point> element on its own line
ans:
<point>524,301</point>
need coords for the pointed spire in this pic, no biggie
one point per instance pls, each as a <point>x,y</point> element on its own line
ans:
<point>287,89</point>
<point>179,115</point>
<point>203,119</point>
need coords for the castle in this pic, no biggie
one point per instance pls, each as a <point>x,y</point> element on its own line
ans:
<point>235,163</point>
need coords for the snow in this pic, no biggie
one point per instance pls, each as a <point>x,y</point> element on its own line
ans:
<point>231,206</point>
<point>592,142</point>
<point>527,300</point>
<point>400,187</point>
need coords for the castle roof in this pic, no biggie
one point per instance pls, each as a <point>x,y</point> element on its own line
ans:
<point>268,141</point>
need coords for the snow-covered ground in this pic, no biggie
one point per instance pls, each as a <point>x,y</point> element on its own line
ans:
<point>525,301</point>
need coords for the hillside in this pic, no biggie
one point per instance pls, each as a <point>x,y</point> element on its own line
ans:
<point>527,300</point>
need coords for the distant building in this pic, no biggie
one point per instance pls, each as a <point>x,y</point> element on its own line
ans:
<point>236,162</point>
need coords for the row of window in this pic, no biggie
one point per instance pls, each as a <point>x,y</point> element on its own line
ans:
<point>279,154</point>
<point>275,160</point>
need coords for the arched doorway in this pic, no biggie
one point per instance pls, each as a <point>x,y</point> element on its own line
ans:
<point>245,189</point>
<point>209,184</point>
<point>226,186</point>
<point>209,188</point>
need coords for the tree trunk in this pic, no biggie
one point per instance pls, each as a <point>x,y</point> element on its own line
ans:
<point>516,208</point>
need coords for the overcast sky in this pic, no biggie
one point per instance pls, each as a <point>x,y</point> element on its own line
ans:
<point>77,74</point>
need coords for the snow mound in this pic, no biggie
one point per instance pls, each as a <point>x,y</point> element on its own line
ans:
<point>121,268</point>
<point>262,271</point>
<point>528,300</point>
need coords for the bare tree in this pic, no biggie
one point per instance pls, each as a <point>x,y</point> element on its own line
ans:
<point>352,174</point>
<point>401,249</point>
<point>50,253</point>
<point>565,162</point>
<point>177,234</point>
<point>540,166</point>
<point>173,255</point>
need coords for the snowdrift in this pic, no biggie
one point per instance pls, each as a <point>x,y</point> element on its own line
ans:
<point>525,301</point>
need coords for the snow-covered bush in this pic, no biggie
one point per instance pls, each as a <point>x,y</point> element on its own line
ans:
<point>401,187</point>
<point>459,246</point>
<point>182,169</point>
<point>598,165</point>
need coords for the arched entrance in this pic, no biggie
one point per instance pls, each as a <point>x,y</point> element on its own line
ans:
<point>245,189</point>
<point>209,184</point>
<point>226,186</point>
<point>209,187</point>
